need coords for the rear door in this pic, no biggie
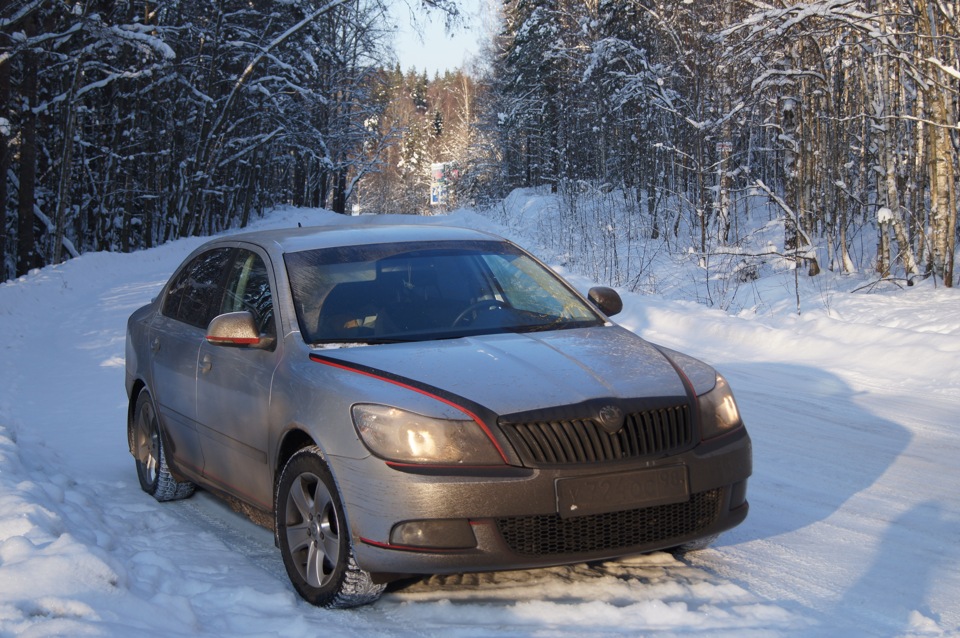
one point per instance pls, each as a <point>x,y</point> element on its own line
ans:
<point>175,338</point>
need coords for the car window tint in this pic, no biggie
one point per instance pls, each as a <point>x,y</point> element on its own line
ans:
<point>248,288</point>
<point>194,295</point>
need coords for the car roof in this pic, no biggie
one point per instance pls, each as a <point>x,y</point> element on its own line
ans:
<point>288,240</point>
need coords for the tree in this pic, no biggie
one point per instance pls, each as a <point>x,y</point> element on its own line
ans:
<point>128,124</point>
<point>843,114</point>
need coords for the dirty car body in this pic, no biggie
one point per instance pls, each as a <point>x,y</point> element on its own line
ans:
<point>420,399</point>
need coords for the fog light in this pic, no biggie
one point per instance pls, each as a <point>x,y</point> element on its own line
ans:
<point>452,534</point>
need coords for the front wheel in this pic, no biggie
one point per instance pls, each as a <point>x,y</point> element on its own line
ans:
<point>314,539</point>
<point>146,443</point>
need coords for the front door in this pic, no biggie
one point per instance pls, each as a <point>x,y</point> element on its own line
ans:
<point>233,390</point>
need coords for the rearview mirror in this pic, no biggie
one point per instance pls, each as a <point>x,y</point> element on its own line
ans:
<point>236,329</point>
<point>606,299</point>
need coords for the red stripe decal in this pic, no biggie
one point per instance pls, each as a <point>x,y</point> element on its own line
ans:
<point>408,548</point>
<point>234,340</point>
<point>407,386</point>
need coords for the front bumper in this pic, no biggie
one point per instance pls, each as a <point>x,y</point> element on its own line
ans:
<point>419,521</point>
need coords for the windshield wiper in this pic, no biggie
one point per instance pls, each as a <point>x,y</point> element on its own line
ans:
<point>556,325</point>
<point>367,341</point>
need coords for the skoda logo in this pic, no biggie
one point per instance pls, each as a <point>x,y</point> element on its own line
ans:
<point>610,418</point>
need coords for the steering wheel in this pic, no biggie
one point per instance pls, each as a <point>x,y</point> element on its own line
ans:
<point>485,305</point>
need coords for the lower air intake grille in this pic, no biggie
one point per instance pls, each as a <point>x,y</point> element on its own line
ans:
<point>549,534</point>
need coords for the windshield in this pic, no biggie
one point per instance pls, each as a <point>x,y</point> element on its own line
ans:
<point>416,291</point>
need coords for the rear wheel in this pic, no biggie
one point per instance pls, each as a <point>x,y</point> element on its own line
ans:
<point>314,539</point>
<point>148,450</point>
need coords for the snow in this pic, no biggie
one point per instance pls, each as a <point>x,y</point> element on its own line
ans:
<point>854,526</point>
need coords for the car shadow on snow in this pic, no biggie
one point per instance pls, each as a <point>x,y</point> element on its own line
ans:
<point>823,508</point>
<point>816,444</point>
<point>901,578</point>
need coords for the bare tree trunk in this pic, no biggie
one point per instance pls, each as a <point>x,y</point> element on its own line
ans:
<point>942,154</point>
<point>26,240</point>
<point>883,249</point>
<point>66,167</point>
<point>949,216</point>
<point>920,172</point>
<point>789,115</point>
<point>940,168</point>
<point>339,204</point>
<point>888,143</point>
<point>5,135</point>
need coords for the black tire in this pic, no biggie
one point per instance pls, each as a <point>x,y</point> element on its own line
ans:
<point>147,447</point>
<point>314,539</point>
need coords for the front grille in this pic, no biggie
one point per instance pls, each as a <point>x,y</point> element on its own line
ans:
<point>651,433</point>
<point>546,535</point>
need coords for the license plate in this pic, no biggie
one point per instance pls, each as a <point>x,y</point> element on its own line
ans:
<point>614,492</point>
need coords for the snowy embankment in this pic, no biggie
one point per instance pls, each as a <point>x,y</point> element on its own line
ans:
<point>855,500</point>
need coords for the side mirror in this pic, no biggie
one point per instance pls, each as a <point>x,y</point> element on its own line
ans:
<point>606,299</point>
<point>236,329</point>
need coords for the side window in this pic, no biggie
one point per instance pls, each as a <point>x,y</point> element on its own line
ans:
<point>248,288</point>
<point>194,295</point>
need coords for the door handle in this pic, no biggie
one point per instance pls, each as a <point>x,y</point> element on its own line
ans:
<point>155,345</point>
<point>206,364</point>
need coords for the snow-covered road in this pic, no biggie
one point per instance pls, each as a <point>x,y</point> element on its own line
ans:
<point>854,526</point>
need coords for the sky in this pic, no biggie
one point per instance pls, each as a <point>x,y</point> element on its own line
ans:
<point>438,50</point>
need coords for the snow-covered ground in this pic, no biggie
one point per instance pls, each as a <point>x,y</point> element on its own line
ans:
<point>854,528</point>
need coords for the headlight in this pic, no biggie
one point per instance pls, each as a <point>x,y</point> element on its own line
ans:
<point>718,410</point>
<point>406,437</point>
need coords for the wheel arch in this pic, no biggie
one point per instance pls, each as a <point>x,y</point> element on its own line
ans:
<point>135,390</point>
<point>294,440</point>
<point>351,585</point>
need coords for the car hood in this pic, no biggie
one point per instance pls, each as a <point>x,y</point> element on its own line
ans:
<point>520,373</point>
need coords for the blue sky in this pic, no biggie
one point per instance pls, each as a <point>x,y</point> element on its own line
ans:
<point>438,50</point>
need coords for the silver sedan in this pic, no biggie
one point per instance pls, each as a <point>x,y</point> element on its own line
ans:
<point>400,400</point>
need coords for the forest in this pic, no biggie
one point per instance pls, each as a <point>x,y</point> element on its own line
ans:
<point>127,123</point>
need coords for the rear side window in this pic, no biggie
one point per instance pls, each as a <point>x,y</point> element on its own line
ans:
<point>195,294</point>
